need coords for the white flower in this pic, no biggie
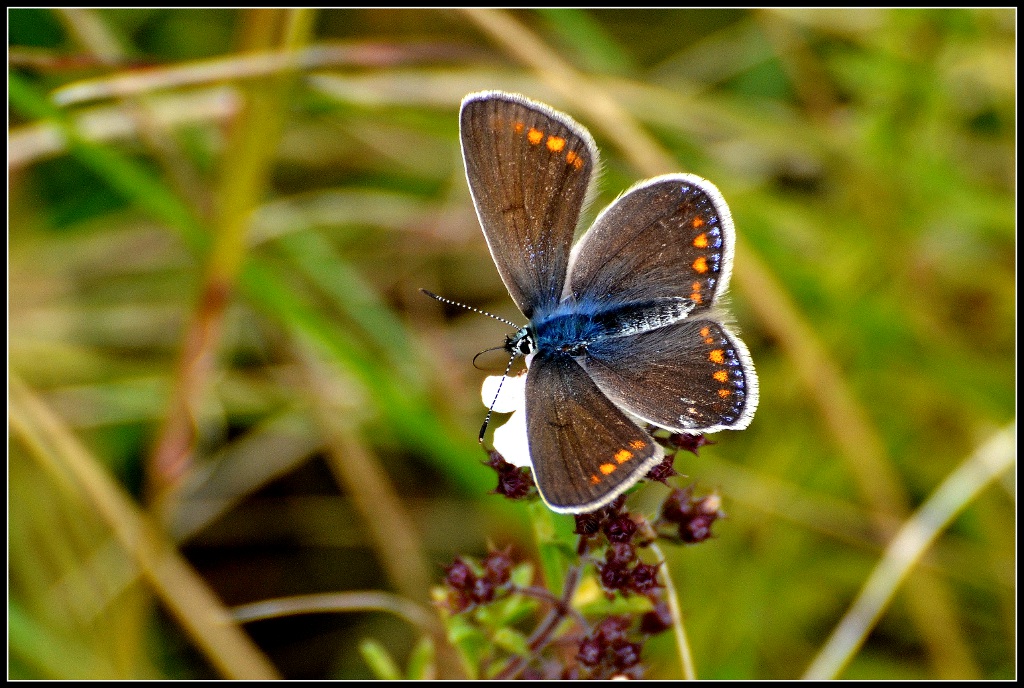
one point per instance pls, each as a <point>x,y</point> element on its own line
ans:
<point>509,439</point>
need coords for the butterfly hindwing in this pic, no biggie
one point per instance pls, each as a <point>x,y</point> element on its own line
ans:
<point>691,376</point>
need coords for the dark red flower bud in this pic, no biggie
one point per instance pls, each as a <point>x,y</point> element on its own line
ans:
<point>686,442</point>
<point>459,576</point>
<point>498,462</point>
<point>588,524</point>
<point>677,506</point>
<point>664,470</point>
<point>620,528</point>
<point>626,654</point>
<point>498,567</point>
<point>514,484</point>
<point>644,578</point>
<point>613,629</point>
<point>591,651</point>
<point>614,577</point>
<point>620,554</point>
<point>693,516</point>
<point>657,620</point>
<point>697,529</point>
<point>532,674</point>
<point>483,590</point>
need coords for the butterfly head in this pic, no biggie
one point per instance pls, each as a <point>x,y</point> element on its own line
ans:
<point>522,343</point>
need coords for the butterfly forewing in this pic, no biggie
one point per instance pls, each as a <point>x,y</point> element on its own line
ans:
<point>671,236</point>
<point>529,170</point>
<point>692,376</point>
<point>584,450</point>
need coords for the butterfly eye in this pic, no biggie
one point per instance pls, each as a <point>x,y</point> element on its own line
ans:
<point>521,343</point>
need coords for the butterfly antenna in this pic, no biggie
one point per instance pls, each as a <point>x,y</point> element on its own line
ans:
<point>462,305</point>
<point>490,409</point>
<point>493,348</point>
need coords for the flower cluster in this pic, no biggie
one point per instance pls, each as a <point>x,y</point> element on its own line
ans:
<point>690,517</point>
<point>488,600</point>
<point>664,470</point>
<point>622,569</point>
<point>690,443</point>
<point>608,651</point>
<point>513,482</point>
<point>468,588</point>
<point>613,648</point>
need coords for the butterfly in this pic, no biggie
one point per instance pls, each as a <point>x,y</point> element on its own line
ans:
<point>626,326</point>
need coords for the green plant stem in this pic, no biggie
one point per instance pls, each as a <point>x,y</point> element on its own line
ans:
<point>958,490</point>
<point>357,470</point>
<point>678,627</point>
<point>541,636</point>
<point>175,582</point>
<point>350,601</point>
<point>246,165</point>
<point>93,33</point>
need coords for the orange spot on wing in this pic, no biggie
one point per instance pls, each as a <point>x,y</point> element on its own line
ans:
<point>519,126</point>
<point>570,157</point>
<point>555,144</point>
<point>704,331</point>
<point>724,393</point>
<point>638,444</point>
<point>608,468</point>
<point>623,455</point>
<point>594,480</point>
<point>534,136</point>
<point>698,222</point>
<point>701,240</point>
<point>701,265</point>
<point>695,297</point>
<point>717,356</point>
<point>721,375</point>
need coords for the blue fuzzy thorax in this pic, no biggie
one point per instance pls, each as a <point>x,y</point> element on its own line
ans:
<point>572,325</point>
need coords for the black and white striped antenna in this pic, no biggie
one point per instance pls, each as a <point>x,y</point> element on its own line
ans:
<point>462,305</point>
<point>490,409</point>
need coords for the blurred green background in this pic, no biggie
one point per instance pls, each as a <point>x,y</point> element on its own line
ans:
<point>218,225</point>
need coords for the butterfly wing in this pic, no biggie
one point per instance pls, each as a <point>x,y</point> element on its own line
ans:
<point>585,451</point>
<point>529,170</point>
<point>670,237</point>
<point>691,376</point>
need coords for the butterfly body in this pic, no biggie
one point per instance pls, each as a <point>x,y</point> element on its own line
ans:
<point>576,325</point>
<point>625,326</point>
